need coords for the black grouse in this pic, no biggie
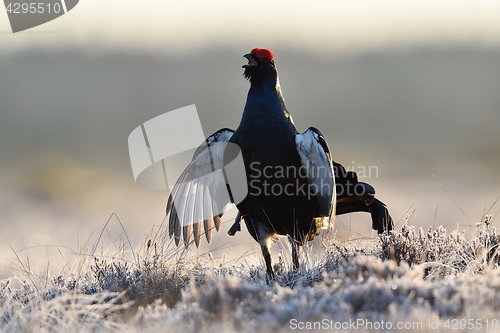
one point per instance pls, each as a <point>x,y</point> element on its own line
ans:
<point>294,186</point>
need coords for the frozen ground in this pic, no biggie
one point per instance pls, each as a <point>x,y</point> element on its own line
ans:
<point>412,280</point>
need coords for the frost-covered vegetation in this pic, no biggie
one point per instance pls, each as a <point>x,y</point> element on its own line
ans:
<point>420,279</point>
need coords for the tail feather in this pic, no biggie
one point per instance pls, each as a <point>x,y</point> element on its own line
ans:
<point>381,220</point>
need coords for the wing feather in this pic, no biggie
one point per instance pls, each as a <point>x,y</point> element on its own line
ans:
<point>200,194</point>
<point>218,222</point>
<point>316,159</point>
<point>170,206</point>
<point>207,208</point>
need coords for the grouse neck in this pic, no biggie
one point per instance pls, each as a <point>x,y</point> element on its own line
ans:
<point>265,101</point>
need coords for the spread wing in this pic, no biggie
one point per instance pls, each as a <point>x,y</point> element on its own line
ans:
<point>316,159</point>
<point>200,196</point>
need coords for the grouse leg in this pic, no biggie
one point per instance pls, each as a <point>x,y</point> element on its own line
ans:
<point>265,247</point>
<point>265,240</point>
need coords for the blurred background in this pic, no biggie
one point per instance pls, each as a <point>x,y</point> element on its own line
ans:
<point>408,88</point>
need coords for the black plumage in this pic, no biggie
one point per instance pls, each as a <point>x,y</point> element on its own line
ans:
<point>294,186</point>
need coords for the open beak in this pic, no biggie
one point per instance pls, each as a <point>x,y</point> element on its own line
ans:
<point>251,61</point>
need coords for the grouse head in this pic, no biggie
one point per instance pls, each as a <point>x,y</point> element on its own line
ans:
<point>260,65</point>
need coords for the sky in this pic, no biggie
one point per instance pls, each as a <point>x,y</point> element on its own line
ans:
<point>319,26</point>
